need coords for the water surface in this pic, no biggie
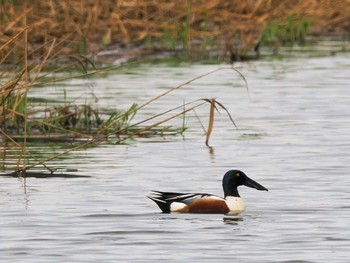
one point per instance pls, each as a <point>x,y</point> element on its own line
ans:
<point>293,139</point>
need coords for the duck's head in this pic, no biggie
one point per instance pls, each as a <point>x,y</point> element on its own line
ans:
<point>234,178</point>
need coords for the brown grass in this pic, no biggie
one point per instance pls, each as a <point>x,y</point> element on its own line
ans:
<point>90,25</point>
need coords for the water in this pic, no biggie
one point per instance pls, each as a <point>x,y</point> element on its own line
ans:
<point>293,139</point>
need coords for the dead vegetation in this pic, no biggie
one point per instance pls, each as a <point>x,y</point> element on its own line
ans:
<point>88,26</point>
<point>79,125</point>
<point>38,34</point>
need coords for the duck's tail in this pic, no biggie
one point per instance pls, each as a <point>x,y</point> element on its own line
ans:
<point>163,204</point>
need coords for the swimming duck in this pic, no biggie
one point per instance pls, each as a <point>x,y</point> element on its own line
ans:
<point>232,203</point>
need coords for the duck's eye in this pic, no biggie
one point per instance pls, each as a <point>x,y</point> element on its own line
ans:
<point>238,174</point>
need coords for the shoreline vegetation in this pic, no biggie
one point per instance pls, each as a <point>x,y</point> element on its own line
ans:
<point>40,40</point>
<point>135,28</point>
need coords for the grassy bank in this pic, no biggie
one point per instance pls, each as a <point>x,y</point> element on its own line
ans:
<point>87,26</point>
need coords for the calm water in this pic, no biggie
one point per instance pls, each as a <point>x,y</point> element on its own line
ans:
<point>294,139</point>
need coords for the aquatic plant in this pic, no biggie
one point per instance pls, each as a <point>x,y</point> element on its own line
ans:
<point>81,125</point>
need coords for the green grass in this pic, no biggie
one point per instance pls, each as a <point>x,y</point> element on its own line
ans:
<point>289,32</point>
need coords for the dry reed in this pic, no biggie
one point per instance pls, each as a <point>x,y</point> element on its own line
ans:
<point>88,26</point>
<point>14,110</point>
<point>36,34</point>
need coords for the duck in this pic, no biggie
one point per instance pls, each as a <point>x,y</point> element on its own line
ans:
<point>231,203</point>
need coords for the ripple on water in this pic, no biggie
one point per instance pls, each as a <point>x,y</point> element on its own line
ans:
<point>293,138</point>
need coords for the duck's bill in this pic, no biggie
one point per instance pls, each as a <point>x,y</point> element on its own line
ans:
<point>251,183</point>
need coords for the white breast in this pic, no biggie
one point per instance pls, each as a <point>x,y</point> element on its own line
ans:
<point>176,206</point>
<point>235,204</point>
